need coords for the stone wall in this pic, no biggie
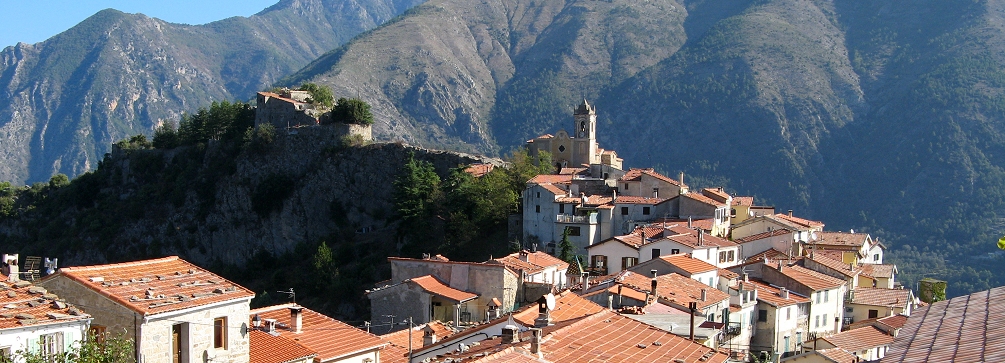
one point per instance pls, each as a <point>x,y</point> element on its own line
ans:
<point>105,312</point>
<point>402,301</point>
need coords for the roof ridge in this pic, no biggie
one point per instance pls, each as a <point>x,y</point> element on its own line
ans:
<point>123,264</point>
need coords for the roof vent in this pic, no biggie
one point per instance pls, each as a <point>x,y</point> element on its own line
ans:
<point>783,293</point>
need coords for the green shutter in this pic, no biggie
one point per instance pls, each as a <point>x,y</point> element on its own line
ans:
<point>68,339</point>
<point>32,345</point>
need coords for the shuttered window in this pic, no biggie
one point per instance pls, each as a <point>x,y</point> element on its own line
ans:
<point>220,333</point>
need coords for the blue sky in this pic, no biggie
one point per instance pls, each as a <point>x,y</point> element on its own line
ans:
<point>34,21</point>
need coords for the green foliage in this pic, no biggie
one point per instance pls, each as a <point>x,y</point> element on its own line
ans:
<point>262,136</point>
<point>1001,243</point>
<point>352,111</point>
<point>93,349</point>
<point>523,167</point>
<point>166,136</point>
<point>270,194</point>
<point>320,94</point>
<point>222,120</point>
<point>138,142</point>
<point>58,181</point>
<point>567,252</point>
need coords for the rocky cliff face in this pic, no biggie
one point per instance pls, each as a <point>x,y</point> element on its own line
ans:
<point>64,100</point>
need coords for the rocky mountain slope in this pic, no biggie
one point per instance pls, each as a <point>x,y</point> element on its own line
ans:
<point>64,100</point>
<point>884,117</point>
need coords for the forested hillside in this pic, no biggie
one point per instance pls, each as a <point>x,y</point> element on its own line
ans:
<point>884,117</point>
<point>65,100</point>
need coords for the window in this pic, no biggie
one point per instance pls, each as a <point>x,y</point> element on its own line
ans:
<point>538,194</point>
<point>826,296</point>
<point>51,344</point>
<point>599,261</point>
<point>645,210</point>
<point>731,257</point>
<point>98,332</point>
<point>875,257</point>
<point>818,297</point>
<point>5,354</point>
<point>799,338</point>
<point>561,148</point>
<point>816,321</point>
<point>825,320</point>
<point>873,314</point>
<point>220,333</point>
<point>762,315</point>
<point>656,253</point>
<point>624,211</point>
<point>675,251</point>
<point>732,212</point>
<point>788,313</point>
<point>722,256</point>
<point>574,231</point>
<point>626,186</point>
<point>561,208</point>
<point>537,208</point>
<point>628,262</point>
<point>656,192</point>
<point>710,317</point>
<point>849,310</point>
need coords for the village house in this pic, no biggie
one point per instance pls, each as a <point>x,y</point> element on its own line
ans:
<point>868,343</point>
<point>743,208</point>
<point>826,293</point>
<point>679,239</point>
<point>36,321</point>
<point>803,229</point>
<point>435,288</point>
<point>782,240</point>
<point>855,247</point>
<point>537,267</point>
<point>174,310</point>
<point>683,265</point>
<point>330,340</point>
<point>284,110</point>
<point>781,321</point>
<point>710,203</point>
<point>268,348</point>
<point>871,302</point>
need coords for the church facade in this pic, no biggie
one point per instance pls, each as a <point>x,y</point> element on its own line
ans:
<point>579,148</point>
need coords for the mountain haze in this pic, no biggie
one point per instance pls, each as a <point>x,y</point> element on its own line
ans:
<point>64,100</point>
<point>885,117</point>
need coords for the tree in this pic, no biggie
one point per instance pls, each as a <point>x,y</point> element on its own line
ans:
<point>352,111</point>
<point>567,252</point>
<point>93,349</point>
<point>320,94</point>
<point>166,136</point>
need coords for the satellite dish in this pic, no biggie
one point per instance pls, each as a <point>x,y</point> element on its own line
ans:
<point>550,300</point>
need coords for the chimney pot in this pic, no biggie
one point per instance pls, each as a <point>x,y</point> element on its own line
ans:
<point>653,287</point>
<point>510,334</point>
<point>704,294</point>
<point>654,272</point>
<point>535,341</point>
<point>790,212</point>
<point>746,277</point>
<point>783,293</point>
<point>296,318</point>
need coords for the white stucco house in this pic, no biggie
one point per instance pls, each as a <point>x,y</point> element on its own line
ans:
<point>34,321</point>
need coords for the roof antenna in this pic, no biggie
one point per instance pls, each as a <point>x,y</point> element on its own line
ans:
<point>290,295</point>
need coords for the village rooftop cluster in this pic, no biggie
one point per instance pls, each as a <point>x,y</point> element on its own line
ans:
<point>670,275</point>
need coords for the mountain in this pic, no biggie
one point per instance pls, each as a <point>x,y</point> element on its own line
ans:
<point>64,100</point>
<point>884,117</point>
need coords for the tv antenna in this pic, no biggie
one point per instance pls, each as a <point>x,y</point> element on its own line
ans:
<point>290,294</point>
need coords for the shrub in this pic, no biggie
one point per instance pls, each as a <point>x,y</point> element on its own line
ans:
<point>352,111</point>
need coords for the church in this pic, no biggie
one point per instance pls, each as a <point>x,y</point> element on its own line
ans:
<point>578,150</point>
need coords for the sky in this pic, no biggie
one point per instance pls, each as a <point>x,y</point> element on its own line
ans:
<point>34,21</point>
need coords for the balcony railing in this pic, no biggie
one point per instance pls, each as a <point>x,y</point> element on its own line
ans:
<point>567,218</point>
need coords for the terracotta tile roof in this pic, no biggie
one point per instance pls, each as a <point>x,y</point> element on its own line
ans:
<point>800,221</point>
<point>554,189</point>
<point>265,348</point>
<point>763,235</point>
<point>478,170</point>
<point>568,306</point>
<point>318,332</point>
<point>550,179</point>
<point>689,264</point>
<point>771,254</point>
<point>834,265</point>
<point>703,199</point>
<point>636,175</point>
<point>432,285</point>
<point>967,328</point>
<point>715,193</point>
<point>515,263</point>
<point>809,278</point>
<point>842,239</point>
<point>881,297</point>
<point>674,288</point>
<point>897,321</point>
<point>536,262</point>
<point>632,240</point>
<point>727,274</point>
<point>832,254</point>
<point>705,224</point>
<point>397,351</point>
<point>860,339</point>
<point>572,171</point>
<point>156,286</point>
<point>23,304</point>
<point>771,295</point>
<point>876,270</point>
<point>279,97</point>
<point>609,337</point>
<point>743,201</point>
<point>689,237</point>
<point>545,260</point>
<point>838,355</point>
<point>629,199</point>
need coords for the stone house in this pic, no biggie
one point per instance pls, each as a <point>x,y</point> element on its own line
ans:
<point>648,183</point>
<point>175,311</point>
<point>436,288</point>
<point>777,239</point>
<point>286,110</point>
<point>683,265</point>
<point>537,267</point>
<point>35,321</point>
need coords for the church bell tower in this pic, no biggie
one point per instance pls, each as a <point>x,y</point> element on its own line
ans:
<point>585,118</point>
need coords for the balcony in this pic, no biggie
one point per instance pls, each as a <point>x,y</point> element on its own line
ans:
<point>567,218</point>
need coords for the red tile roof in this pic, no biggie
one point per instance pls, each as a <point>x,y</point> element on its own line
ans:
<point>674,288</point>
<point>703,199</point>
<point>856,240</point>
<point>705,223</point>
<point>536,261</point>
<point>632,240</point>
<point>689,264</point>
<point>727,274</point>
<point>771,254</point>
<point>715,193</point>
<point>568,306</point>
<point>762,235</point>
<point>24,305</point>
<point>554,189</point>
<point>881,297</point>
<point>838,355</point>
<point>744,201</point>
<point>279,97</point>
<point>876,270</point>
<point>800,221</point>
<point>571,171</point>
<point>809,278</point>
<point>860,339</point>
<point>897,321</point>
<point>265,348</point>
<point>432,285</point>
<point>834,265</point>
<point>636,175</point>
<point>478,170</point>
<point>772,296</point>
<point>156,286</point>
<point>550,178</point>
<point>319,332</point>
<point>689,237</point>
<point>397,351</point>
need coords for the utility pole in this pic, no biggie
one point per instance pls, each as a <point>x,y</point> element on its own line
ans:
<point>693,306</point>
<point>410,339</point>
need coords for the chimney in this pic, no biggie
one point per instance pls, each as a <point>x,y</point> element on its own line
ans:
<point>783,293</point>
<point>689,222</point>
<point>653,288</point>
<point>9,267</point>
<point>682,178</point>
<point>704,294</point>
<point>510,334</point>
<point>533,247</point>
<point>535,341</point>
<point>586,281</point>
<point>746,277</point>
<point>780,265</point>
<point>524,255</point>
<point>653,272</point>
<point>296,318</point>
<point>790,212</point>
<point>701,237</point>
<point>428,336</point>
<point>270,325</point>
<point>583,199</point>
